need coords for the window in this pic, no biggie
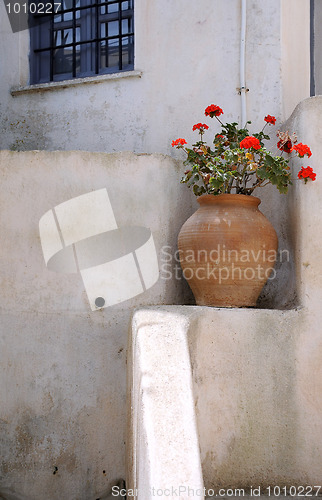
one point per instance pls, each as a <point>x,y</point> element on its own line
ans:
<point>84,38</point>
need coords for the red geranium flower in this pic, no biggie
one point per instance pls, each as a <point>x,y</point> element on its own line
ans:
<point>302,149</point>
<point>270,119</point>
<point>200,126</point>
<point>213,110</point>
<point>286,146</point>
<point>250,142</point>
<point>306,173</point>
<point>179,142</point>
<point>219,136</point>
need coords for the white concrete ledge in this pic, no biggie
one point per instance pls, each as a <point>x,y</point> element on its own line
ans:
<point>163,454</point>
<point>224,391</point>
<point>45,87</point>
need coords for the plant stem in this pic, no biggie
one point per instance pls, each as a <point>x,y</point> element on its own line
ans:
<point>219,120</point>
<point>263,185</point>
<point>258,183</point>
<point>264,126</point>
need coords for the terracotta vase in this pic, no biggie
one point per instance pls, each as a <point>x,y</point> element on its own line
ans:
<point>227,250</point>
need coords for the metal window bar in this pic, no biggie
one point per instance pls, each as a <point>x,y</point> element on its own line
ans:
<point>52,44</point>
<point>120,34</point>
<point>74,38</point>
<point>97,36</point>
<point>118,16</point>
<point>82,42</point>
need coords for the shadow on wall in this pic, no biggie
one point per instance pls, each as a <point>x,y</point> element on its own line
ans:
<point>279,291</point>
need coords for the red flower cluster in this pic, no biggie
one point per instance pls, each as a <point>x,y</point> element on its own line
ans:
<point>200,126</point>
<point>306,173</point>
<point>179,142</point>
<point>270,119</point>
<point>302,149</point>
<point>286,146</point>
<point>213,110</point>
<point>250,142</point>
<point>219,136</point>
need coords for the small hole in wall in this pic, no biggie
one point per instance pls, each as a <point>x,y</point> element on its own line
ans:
<point>55,470</point>
<point>99,302</point>
<point>104,472</point>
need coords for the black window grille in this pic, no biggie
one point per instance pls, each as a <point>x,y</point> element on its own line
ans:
<point>84,38</point>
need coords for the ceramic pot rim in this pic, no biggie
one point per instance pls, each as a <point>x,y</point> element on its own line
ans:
<point>241,199</point>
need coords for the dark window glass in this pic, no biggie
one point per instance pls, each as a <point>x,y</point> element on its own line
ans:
<point>84,38</point>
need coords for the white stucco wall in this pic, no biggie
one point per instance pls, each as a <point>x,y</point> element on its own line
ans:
<point>186,57</point>
<point>62,366</point>
<point>188,53</point>
<point>295,54</point>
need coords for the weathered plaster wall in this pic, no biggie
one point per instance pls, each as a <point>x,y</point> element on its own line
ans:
<point>188,56</point>
<point>256,375</point>
<point>256,425</point>
<point>62,366</point>
<point>188,53</point>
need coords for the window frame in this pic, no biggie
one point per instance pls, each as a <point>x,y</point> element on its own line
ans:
<point>92,45</point>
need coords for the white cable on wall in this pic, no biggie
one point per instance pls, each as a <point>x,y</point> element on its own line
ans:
<point>243,89</point>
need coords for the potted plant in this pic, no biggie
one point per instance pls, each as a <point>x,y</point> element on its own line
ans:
<point>228,247</point>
